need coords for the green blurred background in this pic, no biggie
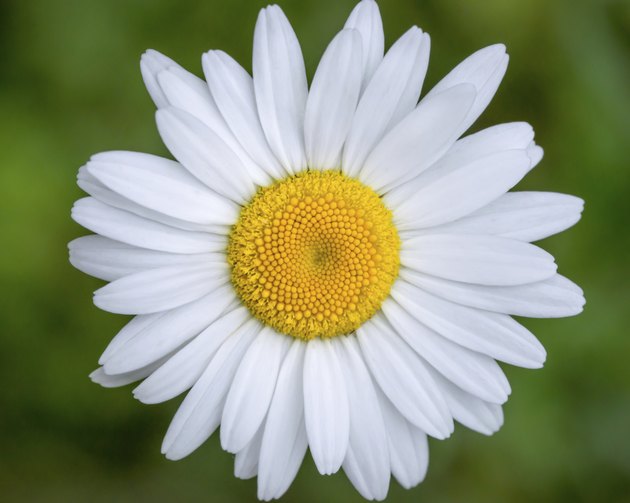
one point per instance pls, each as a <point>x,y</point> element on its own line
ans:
<point>70,86</point>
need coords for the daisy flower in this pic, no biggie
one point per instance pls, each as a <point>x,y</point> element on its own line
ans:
<point>328,268</point>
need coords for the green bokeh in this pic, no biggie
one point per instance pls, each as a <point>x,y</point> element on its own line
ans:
<point>70,86</point>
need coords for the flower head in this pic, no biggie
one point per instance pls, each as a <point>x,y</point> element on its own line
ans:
<point>331,268</point>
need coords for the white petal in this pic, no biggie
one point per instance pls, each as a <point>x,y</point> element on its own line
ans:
<point>128,332</point>
<point>366,19</point>
<point>404,378</point>
<point>161,289</point>
<point>189,93</point>
<point>486,260</point>
<point>151,63</point>
<point>110,260</point>
<point>392,93</point>
<point>205,154</point>
<point>101,193</point>
<point>246,460</point>
<point>252,388</point>
<point>474,372</point>
<point>166,332</point>
<point>496,335</point>
<point>367,460</point>
<point>284,439</point>
<point>183,369</point>
<point>281,87</point>
<point>555,297</point>
<point>200,412</point>
<point>471,149</point>
<point>506,136</point>
<point>408,445</point>
<point>233,92</point>
<point>535,153</point>
<point>332,100</point>
<point>418,140</point>
<point>99,376</point>
<point>122,226</point>
<point>458,192</point>
<point>485,70</point>
<point>164,186</point>
<point>526,216</point>
<point>171,85</point>
<point>294,462</point>
<point>325,406</point>
<point>470,410</point>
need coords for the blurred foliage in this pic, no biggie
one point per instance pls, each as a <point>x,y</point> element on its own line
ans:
<point>70,86</point>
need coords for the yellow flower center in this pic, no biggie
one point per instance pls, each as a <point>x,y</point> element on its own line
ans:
<point>314,255</point>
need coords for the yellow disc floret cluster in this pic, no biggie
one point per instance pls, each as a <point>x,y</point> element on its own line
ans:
<point>314,255</point>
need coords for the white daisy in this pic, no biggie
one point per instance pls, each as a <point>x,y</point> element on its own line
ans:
<point>330,269</point>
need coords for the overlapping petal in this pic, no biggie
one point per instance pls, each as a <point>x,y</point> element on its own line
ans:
<point>233,91</point>
<point>200,412</point>
<point>366,19</point>
<point>110,260</point>
<point>147,338</point>
<point>419,140</point>
<point>183,369</point>
<point>251,390</point>
<point>392,93</point>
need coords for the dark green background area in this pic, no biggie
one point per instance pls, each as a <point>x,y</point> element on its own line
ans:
<point>70,86</point>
